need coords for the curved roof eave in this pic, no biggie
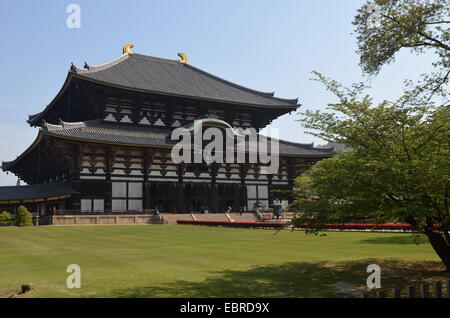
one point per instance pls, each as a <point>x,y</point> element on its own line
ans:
<point>7,165</point>
<point>287,106</point>
<point>36,192</point>
<point>265,94</point>
<point>34,118</point>
<point>83,75</point>
<point>97,68</point>
<point>81,139</point>
<point>100,67</point>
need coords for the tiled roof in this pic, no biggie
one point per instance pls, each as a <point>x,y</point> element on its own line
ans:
<point>171,77</point>
<point>96,130</point>
<point>38,191</point>
<point>154,75</point>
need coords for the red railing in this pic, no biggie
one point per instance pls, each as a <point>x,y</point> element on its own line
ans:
<point>330,226</point>
<point>235,224</point>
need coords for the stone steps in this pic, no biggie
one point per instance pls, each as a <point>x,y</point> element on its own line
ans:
<point>172,218</point>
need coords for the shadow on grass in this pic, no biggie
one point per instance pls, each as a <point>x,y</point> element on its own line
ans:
<point>303,279</point>
<point>397,239</point>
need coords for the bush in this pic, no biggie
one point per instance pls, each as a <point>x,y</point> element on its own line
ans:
<point>5,218</point>
<point>23,217</point>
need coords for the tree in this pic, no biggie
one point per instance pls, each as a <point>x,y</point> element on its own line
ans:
<point>5,218</point>
<point>384,27</point>
<point>23,217</point>
<point>398,168</point>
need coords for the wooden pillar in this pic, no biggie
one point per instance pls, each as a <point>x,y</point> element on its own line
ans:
<point>214,198</point>
<point>45,207</point>
<point>180,202</point>
<point>243,169</point>
<point>213,170</point>
<point>168,120</point>
<point>76,160</point>
<point>136,112</point>
<point>110,157</point>
<point>147,160</point>
<point>269,189</point>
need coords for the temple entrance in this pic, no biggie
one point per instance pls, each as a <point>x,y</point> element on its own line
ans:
<point>196,197</point>
<point>160,196</point>
<point>228,196</point>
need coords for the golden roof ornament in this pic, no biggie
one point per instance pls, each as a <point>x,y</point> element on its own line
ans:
<point>127,49</point>
<point>184,58</point>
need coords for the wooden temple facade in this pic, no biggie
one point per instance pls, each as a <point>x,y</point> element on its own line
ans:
<point>106,137</point>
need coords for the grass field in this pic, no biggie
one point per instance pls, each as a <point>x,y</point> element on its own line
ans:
<point>196,261</point>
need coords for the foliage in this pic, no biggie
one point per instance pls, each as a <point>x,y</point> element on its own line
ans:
<point>384,27</point>
<point>23,217</point>
<point>398,168</point>
<point>5,218</point>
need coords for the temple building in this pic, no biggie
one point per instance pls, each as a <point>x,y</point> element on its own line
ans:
<point>104,142</point>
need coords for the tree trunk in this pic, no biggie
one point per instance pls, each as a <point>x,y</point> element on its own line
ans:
<point>440,245</point>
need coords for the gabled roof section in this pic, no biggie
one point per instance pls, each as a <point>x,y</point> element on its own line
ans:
<point>33,119</point>
<point>36,192</point>
<point>97,131</point>
<point>157,75</point>
<point>154,75</point>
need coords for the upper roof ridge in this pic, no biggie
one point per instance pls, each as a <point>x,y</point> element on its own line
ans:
<point>63,125</point>
<point>95,68</point>
<point>117,60</point>
<point>103,66</point>
<point>155,75</point>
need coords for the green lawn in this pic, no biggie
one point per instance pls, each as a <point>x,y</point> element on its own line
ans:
<point>196,261</point>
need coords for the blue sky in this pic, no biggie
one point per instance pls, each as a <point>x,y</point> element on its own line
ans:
<point>264,45</point>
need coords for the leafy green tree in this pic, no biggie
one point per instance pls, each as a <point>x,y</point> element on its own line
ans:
<point>398,168</point>
<point>23,217</point>
<point>384,27</point>
<point>5,218</point>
